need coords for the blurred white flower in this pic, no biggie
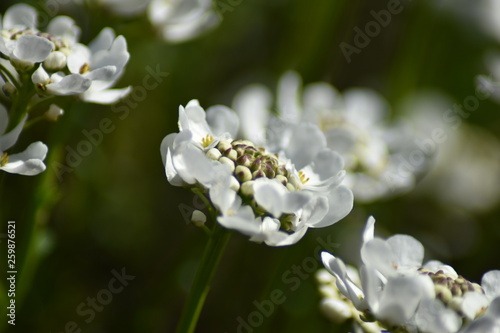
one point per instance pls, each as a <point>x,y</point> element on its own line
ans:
<point>354,125</point>
<point>255,191</point>
<point>490,84</point>
<point>27,163</point>
<point>181,20</point>
<point>404,295</point>
<point>125,7</point>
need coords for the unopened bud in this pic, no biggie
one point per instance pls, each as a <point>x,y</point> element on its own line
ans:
<point>198,218</point>
<point>54,112</point>
<point>55,61</point>
<point>243,173</point>
<point>214,154</point>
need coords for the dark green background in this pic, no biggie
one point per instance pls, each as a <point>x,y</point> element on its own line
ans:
<point>116,208</point>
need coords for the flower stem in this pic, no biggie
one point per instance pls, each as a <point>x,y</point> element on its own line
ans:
<point>201,284</point>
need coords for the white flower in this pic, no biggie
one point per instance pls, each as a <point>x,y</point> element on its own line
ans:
<point>353,125</point>
<point>25,45</point>
<point>66,67</point>
<point>401,293</point>
<point>103,62</point>
<point>256,192</point>
<point>30,161</point>
<point>181,20</point>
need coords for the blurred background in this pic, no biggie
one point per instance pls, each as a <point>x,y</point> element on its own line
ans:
<point>115,209</point>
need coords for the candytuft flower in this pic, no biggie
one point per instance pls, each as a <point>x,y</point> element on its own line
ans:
<point>27,163</point>
<point>403,295</point>
<point>56,63</point>
<point>255,191</point>
<point>353,124</point>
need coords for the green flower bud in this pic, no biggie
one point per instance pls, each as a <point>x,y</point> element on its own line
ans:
<point>243,173</point>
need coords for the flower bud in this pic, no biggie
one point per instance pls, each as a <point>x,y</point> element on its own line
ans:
<point>214,154</point>
<point>243,173</point>
<point>198,218</point>
<point>55,61</point>
<point>54,112</point>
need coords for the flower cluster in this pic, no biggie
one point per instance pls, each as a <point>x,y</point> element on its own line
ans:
<point>273,196</point>
<point>353,123</point>
<point>56,63</point>
<point>37,66</point>
<point>403,295</point>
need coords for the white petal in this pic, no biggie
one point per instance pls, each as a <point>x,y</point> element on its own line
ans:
<point>340,203</point>
<point>252,104</point>
<point>473,303</point>
<point>315,211</point>
<point>270,195</point>
<point>116,56</point>
<point>401,297</point>
<point>108,96</point>
<point>319,97</point>
<point>64,27</point>
<point>364,107</point>
<point>491,284</point>
<point>32,48</point>
<point>222,119</point>
<point>369,230</point>
<point>306,141</point>
<point>378,254</point>
<point>79,56</point>
<point>344,283</point>
<point>408,252</point>
<point>286,239</point>
<point>288,97</point>
<point>193,118</point>
<point>103,41</point>
<point>433,316</point>
<point>72,84</point>
<point>101,73</point>
<point>20,16</point>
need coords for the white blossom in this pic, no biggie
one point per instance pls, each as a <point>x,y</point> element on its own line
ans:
<point>353,124</point>
<point>181,20</point>
<point>257,192</point>
<point>27,163</point>
<point>403,294</point>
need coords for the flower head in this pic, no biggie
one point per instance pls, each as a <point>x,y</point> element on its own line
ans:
<point>255,191</point>
<point>352,124</point>
<point>400,292</point>
<point>57,63</point>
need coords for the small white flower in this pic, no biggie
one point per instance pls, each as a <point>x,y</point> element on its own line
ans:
<point>103,62</point>
<point>125,7</point>
<point>181,20</point>
<point>401,293</point>
<point>27,163</point>
<point>256,192</point>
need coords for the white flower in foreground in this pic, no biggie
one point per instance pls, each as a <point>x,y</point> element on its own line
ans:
<point>405,296</point>
<point>354,125</point>
<point>28,162</point>
<point>257,192</point>
<point>181,20</point>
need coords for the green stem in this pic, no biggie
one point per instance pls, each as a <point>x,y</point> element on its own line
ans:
<point>201,284</point>
<point>21,100</point>
<point>9,75</point>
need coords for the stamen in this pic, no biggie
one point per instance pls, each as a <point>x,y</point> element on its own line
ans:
<point>303,178</point>
<point>207,140</point>
<point>4,159</point>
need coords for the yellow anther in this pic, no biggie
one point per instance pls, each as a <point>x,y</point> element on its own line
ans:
<point>207,140</point>
<point>4,159</point>
<point>303,178</point>
<point>85,68</point>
